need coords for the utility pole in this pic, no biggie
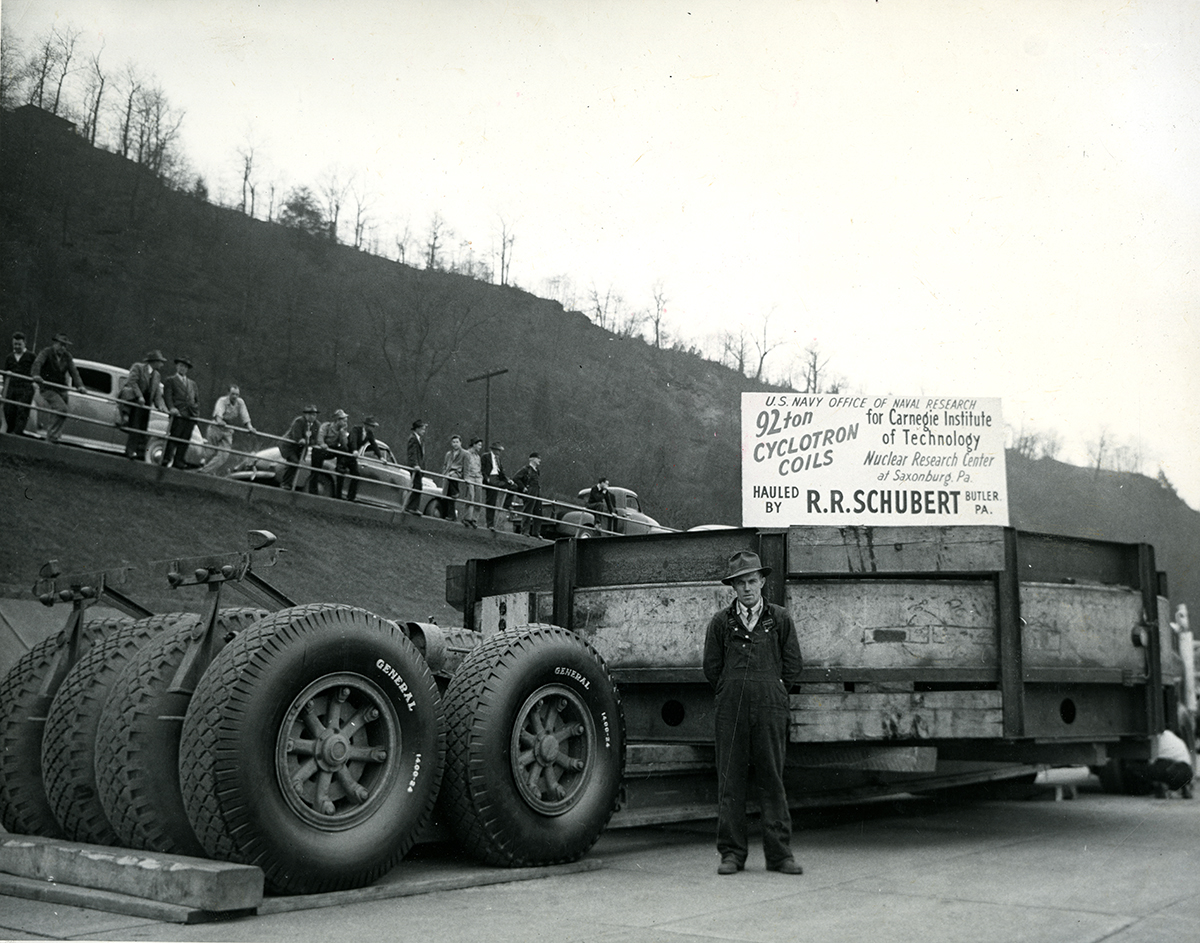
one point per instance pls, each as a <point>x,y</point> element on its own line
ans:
<point>487,403</point>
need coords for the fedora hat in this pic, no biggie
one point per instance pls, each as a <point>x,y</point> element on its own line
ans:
<point>184,360</point>
<point>743,562</point>
<point>340,414</point>
<point>154,355</point>
<point>61,338</point>
<point>311,408</point>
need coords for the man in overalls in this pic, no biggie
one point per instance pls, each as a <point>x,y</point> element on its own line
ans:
<point>752,658</point>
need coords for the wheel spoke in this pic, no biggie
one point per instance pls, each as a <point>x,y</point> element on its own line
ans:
<point>535,716</point>
<point>535,773</point>
<point>323,781</point>
<point>353,789</point>
<point>304,772</point>
<point>527,739</point>
<point>312,721</point>
<point>366,754</point>
<point>302,747</point>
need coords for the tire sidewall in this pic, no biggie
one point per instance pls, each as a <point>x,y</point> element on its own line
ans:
<point>280,838</point>
<point>562,660</point>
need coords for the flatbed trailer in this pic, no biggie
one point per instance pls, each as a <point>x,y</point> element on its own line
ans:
<point>933,657</point>
<point>319,742</point>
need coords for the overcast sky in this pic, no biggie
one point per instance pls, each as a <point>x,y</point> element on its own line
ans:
<point>989,199</point>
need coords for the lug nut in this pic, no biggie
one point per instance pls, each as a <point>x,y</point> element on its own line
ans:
<point>328,808</point>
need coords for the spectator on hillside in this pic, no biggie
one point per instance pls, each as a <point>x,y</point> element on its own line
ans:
<point>452,477</point>
<point>473,474</point>
<point>415,455</point>
<point>362,440</point>
<point>182,398</point>
<point>600,502</point>
<point>301,434</point>
<point>53,373</point>
<point>18,391</point>
<point>142,389</point>
<point>229,410</point>
<point>495,479</point>
<point>528,481</point>
<point>333,442</point>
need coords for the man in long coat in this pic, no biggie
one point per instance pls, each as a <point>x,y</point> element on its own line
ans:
<point>182,398</point>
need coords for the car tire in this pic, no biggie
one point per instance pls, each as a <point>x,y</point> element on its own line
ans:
<point>330,813</point>
<point>137,743</point>
<point>517,792</point>
<point>69,741</point>
<point>24,704</point>
<point>155,449</point>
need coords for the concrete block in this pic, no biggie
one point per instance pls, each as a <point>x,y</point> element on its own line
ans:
<point>173,879</point>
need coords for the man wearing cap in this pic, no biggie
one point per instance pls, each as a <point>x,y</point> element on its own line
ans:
<point>414,453</point>
<point>333,441</point>
<point>53,372</point>
<point>495,479</point>
<point>142,389</point>
<point>300,435</point>
<point>182,398</point>
<point>752,659</point>
<point>362,440</point>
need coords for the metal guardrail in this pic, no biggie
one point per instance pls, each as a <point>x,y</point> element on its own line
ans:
<point>506,496</point>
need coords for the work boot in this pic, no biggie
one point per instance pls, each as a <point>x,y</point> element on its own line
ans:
<point>786,866</point>
<point>729,865</point>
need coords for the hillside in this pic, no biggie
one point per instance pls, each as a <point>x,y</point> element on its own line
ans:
<point>94,246</point>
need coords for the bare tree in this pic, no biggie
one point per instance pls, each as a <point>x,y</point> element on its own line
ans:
<point>334,190</point>
<point>420,327</point>
<point>65,40</point>
<point>12,68</point>
<point>157,130</point>
<point>605,309</point>
<point>439,232</point>
<point>40,66</point>
<point>507,238</point>
<point>561,288</point>
<point>131,88</point>
<point>246,158</point>
<point>362,207</point>
<point>1097,450</point>
<point>814,373</point>
<point>764,345</point>
<point>404,240</point>
<point>1035,443</point>
<point>93,97</point>
<point>734,349</point>
<point>659,313</point>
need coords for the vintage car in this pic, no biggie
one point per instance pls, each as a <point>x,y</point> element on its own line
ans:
<point>385,483</point>
<point>627,518</point>
<point>95,419</point>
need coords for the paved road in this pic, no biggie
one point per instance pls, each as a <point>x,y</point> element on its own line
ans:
<point>1118,869</point>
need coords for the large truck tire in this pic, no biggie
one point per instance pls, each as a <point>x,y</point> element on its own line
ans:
<point>137,745</point>
<point>535,748</point>
<point>313,748</point>
<point>25,699</point>
<point>69,741</point>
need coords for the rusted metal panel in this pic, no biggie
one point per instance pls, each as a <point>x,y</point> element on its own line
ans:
<point>895,623</point>
<point>649,626</point>
<point>917,716</point>
<point>506,611</point>
<point>1085,711</point>
<point>1080,627</point>
<point>1052,559</point>
<point>838,550</point>
<point>661,558</point>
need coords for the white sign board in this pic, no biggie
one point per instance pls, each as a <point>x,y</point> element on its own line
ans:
<point>866,460</point>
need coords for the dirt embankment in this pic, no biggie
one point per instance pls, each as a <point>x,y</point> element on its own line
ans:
<point>98,518</point>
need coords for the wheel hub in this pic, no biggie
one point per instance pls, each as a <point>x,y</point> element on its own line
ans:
<point>337,751</point>
<point>552,749</point>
